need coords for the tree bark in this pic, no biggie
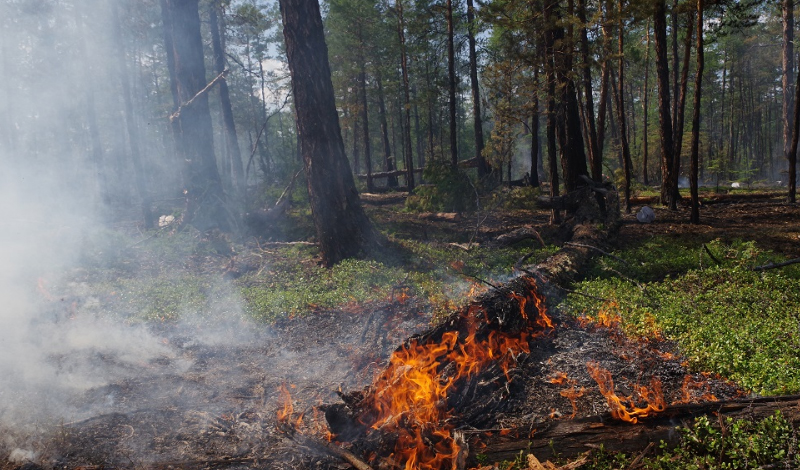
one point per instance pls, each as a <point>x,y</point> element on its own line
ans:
<point>664,102</point>
<point>698,87</point>
<point>552,158</point>
<point>203,186</point>
<point>343,229</point>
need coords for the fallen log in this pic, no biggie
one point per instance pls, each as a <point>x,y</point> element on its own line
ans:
<point>386,174</point>
<point>574,437</point>
<point>712,198</point>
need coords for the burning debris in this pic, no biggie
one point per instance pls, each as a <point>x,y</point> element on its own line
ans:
<point>503,363</point>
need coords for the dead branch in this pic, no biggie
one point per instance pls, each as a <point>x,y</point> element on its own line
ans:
<point>582,245</point>
<point>771,265</point>
<point>711,255</point>
<point>177,112</point>
<point>325,447</point>
<point>575,436</point>
<point>517,235</point>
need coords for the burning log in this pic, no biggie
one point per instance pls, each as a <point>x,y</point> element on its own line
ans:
<point>575,437</point>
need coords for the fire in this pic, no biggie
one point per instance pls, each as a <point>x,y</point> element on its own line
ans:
<point>692,390</point>
<point>625,408</point>
<point>411,394</point>
<point>572,393</point>
<point>288,407</point>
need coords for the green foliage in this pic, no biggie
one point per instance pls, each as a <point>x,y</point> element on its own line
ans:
<point>449,190</point>
<point>159,298</point>
<point>737,444</point>
<point>697,307</point>
<point>726,445</point>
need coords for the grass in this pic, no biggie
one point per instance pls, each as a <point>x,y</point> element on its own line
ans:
<point>166,276</point>
<point>680,292</point>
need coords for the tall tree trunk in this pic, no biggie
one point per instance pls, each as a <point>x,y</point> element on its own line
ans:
<point>231,139</point>
<point>388,159</point>
<point>679,119</point>
<point>364,115</point>
<point>595,158</point>
<point>534,171</point>
<point>203,186</point>
<point>552,158</point>
<point>451,86</point>
<point>787,66</point>
<point>623,134</point>
<point>401,32</point>
<point>483,168</point>
<point>664,102</point>
<point>602,106</point>
<point>698,86</point>
<point>130,122</point>
<point>343,229</point>
<point>792,155</point>
<point>573,156</point>
<point>645,113</point>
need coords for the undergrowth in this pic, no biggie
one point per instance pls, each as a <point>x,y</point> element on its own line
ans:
<point>726,317</point>
<point>706,444</point>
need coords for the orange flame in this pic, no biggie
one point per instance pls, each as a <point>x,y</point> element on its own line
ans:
<point>410,396</point>
<point>288,407</point>
<point>625,408</point>
<point>695,390</point>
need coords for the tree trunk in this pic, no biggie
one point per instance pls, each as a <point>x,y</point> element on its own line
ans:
<point>574,437</point>
<point>362,94</point>
<point>645,113</point>
<point>231,139</point>
<point>451,86</point>
<point>534,171</point>
<point>343,229</point>
<point>664,116</point>
<point>787,66</point>
<point>698,85</point>
<point>130,123</point>
<point>792,156</point>
<point>626,153</point>
<point>679,118</point>
<point>408,156</point>
<point>552,158</point>
<point>388,160</point>
<point>483,168</point>
<point>203,186</point>
<point>595,158</point>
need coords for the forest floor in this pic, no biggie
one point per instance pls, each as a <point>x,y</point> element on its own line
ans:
<point>202,340</point>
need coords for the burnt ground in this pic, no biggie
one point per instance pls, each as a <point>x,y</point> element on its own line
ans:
<point>208,404</point>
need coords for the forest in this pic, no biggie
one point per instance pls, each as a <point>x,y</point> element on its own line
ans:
<point>399,234</point>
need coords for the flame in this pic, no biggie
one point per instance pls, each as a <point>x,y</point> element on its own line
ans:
<point>288,407</point>
<point>410,396</point>
<point>692,391</point>
<point>572,393</point>
<point>625,408</point>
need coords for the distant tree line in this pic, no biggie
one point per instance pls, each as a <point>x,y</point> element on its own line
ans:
<point>191,100</point>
